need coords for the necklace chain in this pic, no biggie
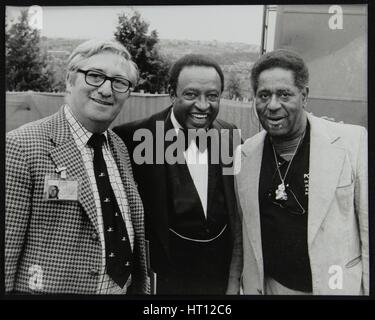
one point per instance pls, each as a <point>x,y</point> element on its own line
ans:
<point>280,192</point>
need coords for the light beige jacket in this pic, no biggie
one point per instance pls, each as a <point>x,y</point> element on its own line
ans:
<point>337,209</point>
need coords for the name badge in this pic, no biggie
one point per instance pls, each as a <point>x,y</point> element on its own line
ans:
<point>60,187</point>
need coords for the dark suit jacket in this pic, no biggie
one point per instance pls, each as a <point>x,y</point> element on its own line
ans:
<point>152,186</point>
<point>60,239</point>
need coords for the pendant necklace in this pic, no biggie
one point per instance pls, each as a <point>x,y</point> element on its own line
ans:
<point>280,192</point>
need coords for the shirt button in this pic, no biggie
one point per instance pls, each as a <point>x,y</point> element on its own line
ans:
<point>94,236</point>
<point>94,272</point>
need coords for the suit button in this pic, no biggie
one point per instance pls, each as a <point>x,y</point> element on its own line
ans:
<point>94,272</point>
<point>260,291</point>
<point>94,236</point>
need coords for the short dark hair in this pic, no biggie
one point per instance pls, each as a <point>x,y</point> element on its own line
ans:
<point>191,60</point>
<point>285,59</point>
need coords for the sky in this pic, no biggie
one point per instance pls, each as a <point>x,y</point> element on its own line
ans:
<point>225,23</point>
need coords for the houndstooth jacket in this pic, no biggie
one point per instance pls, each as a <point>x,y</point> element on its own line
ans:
<point>59,240</point>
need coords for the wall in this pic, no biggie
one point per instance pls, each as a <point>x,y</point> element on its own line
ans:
<point>336,58</point>
<point>23,107</point>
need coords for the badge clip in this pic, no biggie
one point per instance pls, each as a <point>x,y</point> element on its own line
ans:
<point>62,171</point>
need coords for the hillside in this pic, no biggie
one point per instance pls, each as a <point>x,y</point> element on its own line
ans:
<point>225,53</point>
<point>236,59</point>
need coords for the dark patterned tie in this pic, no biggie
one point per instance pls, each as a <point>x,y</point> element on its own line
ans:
<point>117,245</point>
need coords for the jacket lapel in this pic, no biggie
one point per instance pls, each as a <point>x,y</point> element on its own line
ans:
<point>228,183</point>
<point>134,200</point>
<point>250,172</point>
<point>159,218</point>
<point>212,173</point>
<point>326,161</point>
<point>157,178</point>
<point>66,154</point>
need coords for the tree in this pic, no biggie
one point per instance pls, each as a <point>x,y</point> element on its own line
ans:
<point>234,86</point>
<point>26,67</point>
<point>132,32</point>
<point>56,67</point>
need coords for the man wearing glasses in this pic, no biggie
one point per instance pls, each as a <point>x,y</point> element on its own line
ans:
<point>91,239</point>
<point>302,191</point>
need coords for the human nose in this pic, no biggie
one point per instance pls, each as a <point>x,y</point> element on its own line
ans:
<point>106,88</point>
<point>202,103</point>
<point>274,103</point>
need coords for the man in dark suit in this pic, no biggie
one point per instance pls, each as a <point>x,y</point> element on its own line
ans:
<point>89,240</point>
<point>191,218</point>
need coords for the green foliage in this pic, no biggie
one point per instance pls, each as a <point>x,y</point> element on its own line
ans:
<point>57,70</point>
<point>132,32</point>
<point>234,87</point>
<point>58,50</point>
<point>26,66</point>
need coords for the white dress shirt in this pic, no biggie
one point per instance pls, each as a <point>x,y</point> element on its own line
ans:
<point>197,162</point>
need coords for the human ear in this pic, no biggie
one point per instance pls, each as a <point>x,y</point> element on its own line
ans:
<point>172,94</point>
<point>68,82</point>
<point>305,93</point>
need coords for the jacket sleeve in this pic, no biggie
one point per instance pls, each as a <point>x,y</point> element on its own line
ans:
<point>361,206</point>
<point>18,186</point>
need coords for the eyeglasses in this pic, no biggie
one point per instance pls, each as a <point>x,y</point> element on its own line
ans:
<point>96,79</point>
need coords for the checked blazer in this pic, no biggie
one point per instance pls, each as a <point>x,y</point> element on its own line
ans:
<point>59,239</point>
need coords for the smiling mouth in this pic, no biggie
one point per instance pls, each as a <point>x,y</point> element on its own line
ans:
<point>106,103</point>
<point>199,116</point>
<point>275,122</point>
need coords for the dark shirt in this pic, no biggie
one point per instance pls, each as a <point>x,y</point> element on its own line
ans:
<point>284,222</point>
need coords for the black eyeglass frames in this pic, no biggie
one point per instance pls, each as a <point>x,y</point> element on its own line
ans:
<point>96,79</point>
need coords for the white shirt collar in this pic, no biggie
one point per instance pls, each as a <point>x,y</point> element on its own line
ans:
<point>174,121</point>
<point>80,134</point>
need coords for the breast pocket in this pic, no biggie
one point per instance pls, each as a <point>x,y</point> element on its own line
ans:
<point>354,262</point>
<point>345,197</point>
<point>345,187</point>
